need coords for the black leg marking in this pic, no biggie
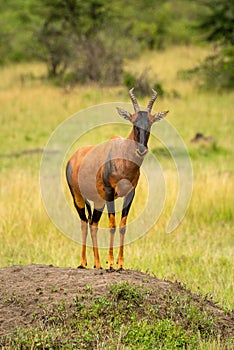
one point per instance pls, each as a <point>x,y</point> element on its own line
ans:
<point>81,212</point>
<point>88,206</point>
<point>127,203</point>
<point>97,213</point>
<point>110,196</point>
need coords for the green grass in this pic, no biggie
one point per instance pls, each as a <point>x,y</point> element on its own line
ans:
<point>200,251</point>
<point>123,318</point>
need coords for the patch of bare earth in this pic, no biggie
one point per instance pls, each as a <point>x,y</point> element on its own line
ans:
<point>24,289</point>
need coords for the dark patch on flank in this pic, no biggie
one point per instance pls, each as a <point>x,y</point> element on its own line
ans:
<point>108,169</point>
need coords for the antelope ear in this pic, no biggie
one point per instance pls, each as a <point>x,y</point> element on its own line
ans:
<point>124,114</point>
<point>159,116</point>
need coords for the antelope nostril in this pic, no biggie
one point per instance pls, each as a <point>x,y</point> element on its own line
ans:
<point>141,148</point>
<point>142,151</point>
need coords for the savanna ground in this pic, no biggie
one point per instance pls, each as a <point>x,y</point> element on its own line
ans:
<point>199,253</point>
<point>50,307</point>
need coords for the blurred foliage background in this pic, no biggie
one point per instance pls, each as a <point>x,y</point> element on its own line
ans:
<point>89,41</point>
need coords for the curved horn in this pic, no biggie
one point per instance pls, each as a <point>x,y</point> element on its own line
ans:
<point>151,102</point>
<point>134,101</point>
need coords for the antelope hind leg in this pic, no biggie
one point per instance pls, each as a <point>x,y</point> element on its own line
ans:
<point>97,213</point>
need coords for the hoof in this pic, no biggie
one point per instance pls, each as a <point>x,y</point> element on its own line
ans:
<point>121,269</point>
<point>111,269</point>
<point>81,267</point>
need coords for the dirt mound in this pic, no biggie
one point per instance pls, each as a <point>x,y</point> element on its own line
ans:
<point>25,290</point>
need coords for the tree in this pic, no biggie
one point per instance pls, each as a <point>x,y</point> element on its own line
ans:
<point>217,26</point>
<point>217,21</point>
<point>75,41</point>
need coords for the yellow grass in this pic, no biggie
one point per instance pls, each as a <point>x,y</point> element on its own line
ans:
<point>200,251</point>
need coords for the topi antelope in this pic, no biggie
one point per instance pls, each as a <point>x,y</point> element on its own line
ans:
<point>107,171</point>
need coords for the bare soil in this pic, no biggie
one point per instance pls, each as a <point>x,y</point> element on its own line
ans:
<point>24,289</point>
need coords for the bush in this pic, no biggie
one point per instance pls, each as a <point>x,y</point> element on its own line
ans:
<point>216,72</point>
<point>142,83</point>
<point>216,24</point>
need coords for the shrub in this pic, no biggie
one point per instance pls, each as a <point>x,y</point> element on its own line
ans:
<point>142,83</point>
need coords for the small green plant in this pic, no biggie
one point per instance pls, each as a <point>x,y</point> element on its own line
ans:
<point>125,291</point>
<point>89,289</point>
<point>13,299</point>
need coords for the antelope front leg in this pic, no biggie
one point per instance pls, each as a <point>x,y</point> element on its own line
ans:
<point>109,191</point>
<point>122,228</point>
<point>97,213</point>
<point>94,229</point>
<point>84,230</point>
<point>110,259</point>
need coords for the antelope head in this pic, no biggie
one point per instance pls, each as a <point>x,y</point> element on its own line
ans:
<point>142,122</point>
